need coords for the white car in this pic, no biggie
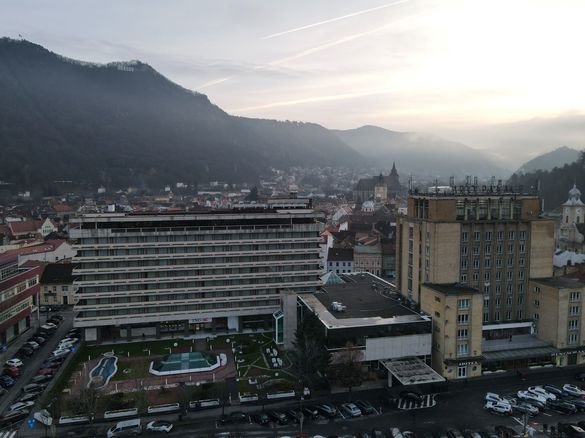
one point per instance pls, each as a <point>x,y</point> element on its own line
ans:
<point>527,395</point>
<point>34,345</point>
<point>493,397</point>
<point>160,426</point>
<point>20,406</point>
<point>499,408</point>
<point>351,409</point>
<point>539,390</point>
<point>14,363</point>
<point>59,352</point>
<point>573,390</point>
<point>67,343</point>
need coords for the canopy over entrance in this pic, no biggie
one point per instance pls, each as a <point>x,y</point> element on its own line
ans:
<point>412,371</point>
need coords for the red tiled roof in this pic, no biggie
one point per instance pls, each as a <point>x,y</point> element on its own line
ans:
<point>22,227</point>
<point>62,208</point>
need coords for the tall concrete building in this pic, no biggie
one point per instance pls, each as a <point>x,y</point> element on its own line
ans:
<point>148,275</point>
<point>492,240</point>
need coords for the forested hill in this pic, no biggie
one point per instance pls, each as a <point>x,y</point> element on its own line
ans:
<point>124,123</point>
<point>556,183</point>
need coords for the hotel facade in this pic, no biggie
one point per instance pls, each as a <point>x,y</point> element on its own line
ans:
<point>215,271</point>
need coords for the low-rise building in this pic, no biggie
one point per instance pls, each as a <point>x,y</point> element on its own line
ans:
<point>57,285</point>
<point>340,260</point>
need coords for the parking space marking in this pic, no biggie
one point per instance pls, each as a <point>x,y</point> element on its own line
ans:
<point>428,402</point>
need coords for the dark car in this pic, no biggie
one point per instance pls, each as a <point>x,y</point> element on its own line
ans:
<point>39,340</point>
<point>540,405</point>
<point>571,430</point>
<point>295,415</point>
<point>365,407</point>
<point>13,418</point>
<point>46,371</point>
<point>278,417</point>
<point>413,396</point>
<point>42,379</point>
<point>49,364</point>
<point>562,406</point>
<point>261,418</point>
<point>29,396</point>
<point>234,417</point>
<point>25,350</point>
<point>579,404</point>
<point>57,316</point>
<point>6,381</point>
<point>555,390</point>
<point>33,387</point>
<point>311,412</point>
<point>327,410</point>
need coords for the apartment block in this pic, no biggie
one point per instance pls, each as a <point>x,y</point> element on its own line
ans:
<point>213,271</point>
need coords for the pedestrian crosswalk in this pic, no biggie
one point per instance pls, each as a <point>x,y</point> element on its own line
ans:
<point>8,434</point>
<point>428,401</point>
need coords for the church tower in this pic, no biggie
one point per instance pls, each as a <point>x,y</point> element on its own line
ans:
<point>573,209</point>
<point>572,222</point>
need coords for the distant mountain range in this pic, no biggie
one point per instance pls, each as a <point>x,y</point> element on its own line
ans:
<point>420,154</point>
<point>123,123</point>
<point>548,161</point>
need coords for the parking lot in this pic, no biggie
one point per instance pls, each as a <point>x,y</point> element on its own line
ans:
<point>33,368</point>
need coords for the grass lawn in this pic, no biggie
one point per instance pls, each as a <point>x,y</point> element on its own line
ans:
<point>138,369</point>
<point>207,391</point>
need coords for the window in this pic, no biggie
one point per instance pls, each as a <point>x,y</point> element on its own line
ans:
<point>461,372</point>
<point>521,274</point>
<point>462,333</point>
<point>498,263</point>
<point>536,316</point>
<point>498,289</point>
<point>497,315</point>
<point>463,319</point>
<point>573,310</point>
<point>511,235</point>
<point>463,277</point>
<point>477,236</point>
<point>463,303</point>
<point>519,314</point>
<point>499,248</point>
<point>498,301</point>
<point>520,299</point>
<point>486,317</point>
<point>462,349</point>
<point>486,289</point>
<point>437,299</point>
<point>509,301</point>
<point>521,262</point>
<point>463,263</point>
<point>464,250</point>
<point>476,250</point>
<point>510,262</point>
<point>437,314</point>
<point>573,338</point>
<point>487,263</point>
<point>476,263</point>
<point>486,276</point>
<point>522,235</point>
<point>522,248</point>
<point>510,275</point>
<point>508,315</point>
<point>475,277</point>
<point>536,289</point>
<point>575,296</point>
<point>500,235</point>
<point>573,324</point>
<point>488,236</point>
<point>464,236</point>
<point>488,249</point>
<point>510,248</point>
<point>509,287</point>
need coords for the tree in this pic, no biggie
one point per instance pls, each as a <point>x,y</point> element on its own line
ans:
<point>86,403</point>
<point>349,368</point>
<point>253,195</point>
<point>311,358</point>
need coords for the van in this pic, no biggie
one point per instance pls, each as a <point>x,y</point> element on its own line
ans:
<point>125,428</point>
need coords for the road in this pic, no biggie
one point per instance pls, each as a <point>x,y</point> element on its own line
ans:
<point>32,364</point>
<point>461,408</point>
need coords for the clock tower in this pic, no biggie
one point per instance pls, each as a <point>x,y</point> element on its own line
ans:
<point>573,222</point>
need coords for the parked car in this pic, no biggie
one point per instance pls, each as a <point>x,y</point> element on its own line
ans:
<point>68,341</point>
<point>13,418</point>
<point>25,350</point>
<point>12,372</point>
<point>6,381</point>
<point>3,391</point>
<point>467,433</point>
<point>527,395</point>
<point>260,418</point>
<point>554,390</point>
<point>13,363</point>
<point>234,417</point>
<point>351,409</point>
<point>160,426</point>
<point>34,387</point>
<point>42,379</point>
<point>39,340</point>
<point>579,404</point>
<point>562,406</point>
<point>20,406</point>
<point>366,407</point>
<point>31,396</point>
<point>498,408</point>
<point>278,417</point>
<point>570,430</point>
<point>413,396</point>
<point>49,364</point>
<point>54,321</point>
<point>493,397</point>
<point>57,317</point>
<point>46,371</point>
<point>59,352</point>
<point>328,410</point>
<point>311,412</point>
<point>539,390</point>
<point>573,390</point>
<point>32,344</point>
<point>524,408</point>
<point>294,415</point>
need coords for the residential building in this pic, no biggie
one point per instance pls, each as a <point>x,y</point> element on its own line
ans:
<point>57,285</point>
<point>50,251</point>
<point>368,257</point>
<point>198,272</point>
<point>490,239</point>
<point>19,289</point>
<point>340,260</point>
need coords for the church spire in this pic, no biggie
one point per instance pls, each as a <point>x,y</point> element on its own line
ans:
<point>394,171</point>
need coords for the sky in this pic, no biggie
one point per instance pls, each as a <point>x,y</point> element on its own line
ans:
<point>442,66</point>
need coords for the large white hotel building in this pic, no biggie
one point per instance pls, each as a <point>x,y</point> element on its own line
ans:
<point>159,274</point>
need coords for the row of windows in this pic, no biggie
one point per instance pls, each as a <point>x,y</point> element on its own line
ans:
<point>488,249</point>
<point>488,235</point>
<point>507,315</point>
<point>18,288</point>
<point>487,276</point>
<point>174,308</point>
<point>487,262</point>
<point>15,309</point>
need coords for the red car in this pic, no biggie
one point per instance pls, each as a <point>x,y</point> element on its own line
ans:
<point>46,371</point>
<point>12,372</point>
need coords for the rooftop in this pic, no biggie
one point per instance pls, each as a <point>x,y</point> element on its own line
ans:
<point>560,282</point>
<point>57,273</point>
<point>365,304</point>
<point>452,289</point>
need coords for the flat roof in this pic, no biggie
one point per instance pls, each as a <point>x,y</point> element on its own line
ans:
<point>560,282</point>
<point>365,304</point>
<point>452,289</point>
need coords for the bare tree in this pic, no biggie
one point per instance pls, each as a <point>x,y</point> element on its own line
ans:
<point>348,367</point>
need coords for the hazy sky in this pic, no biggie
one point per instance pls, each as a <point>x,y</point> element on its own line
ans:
<point>404,64</point>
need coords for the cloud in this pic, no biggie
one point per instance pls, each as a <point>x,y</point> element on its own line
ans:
<point>332,20</point>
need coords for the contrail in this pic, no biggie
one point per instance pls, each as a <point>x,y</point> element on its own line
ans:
<point>313,99</point>
<point>332,20</point>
